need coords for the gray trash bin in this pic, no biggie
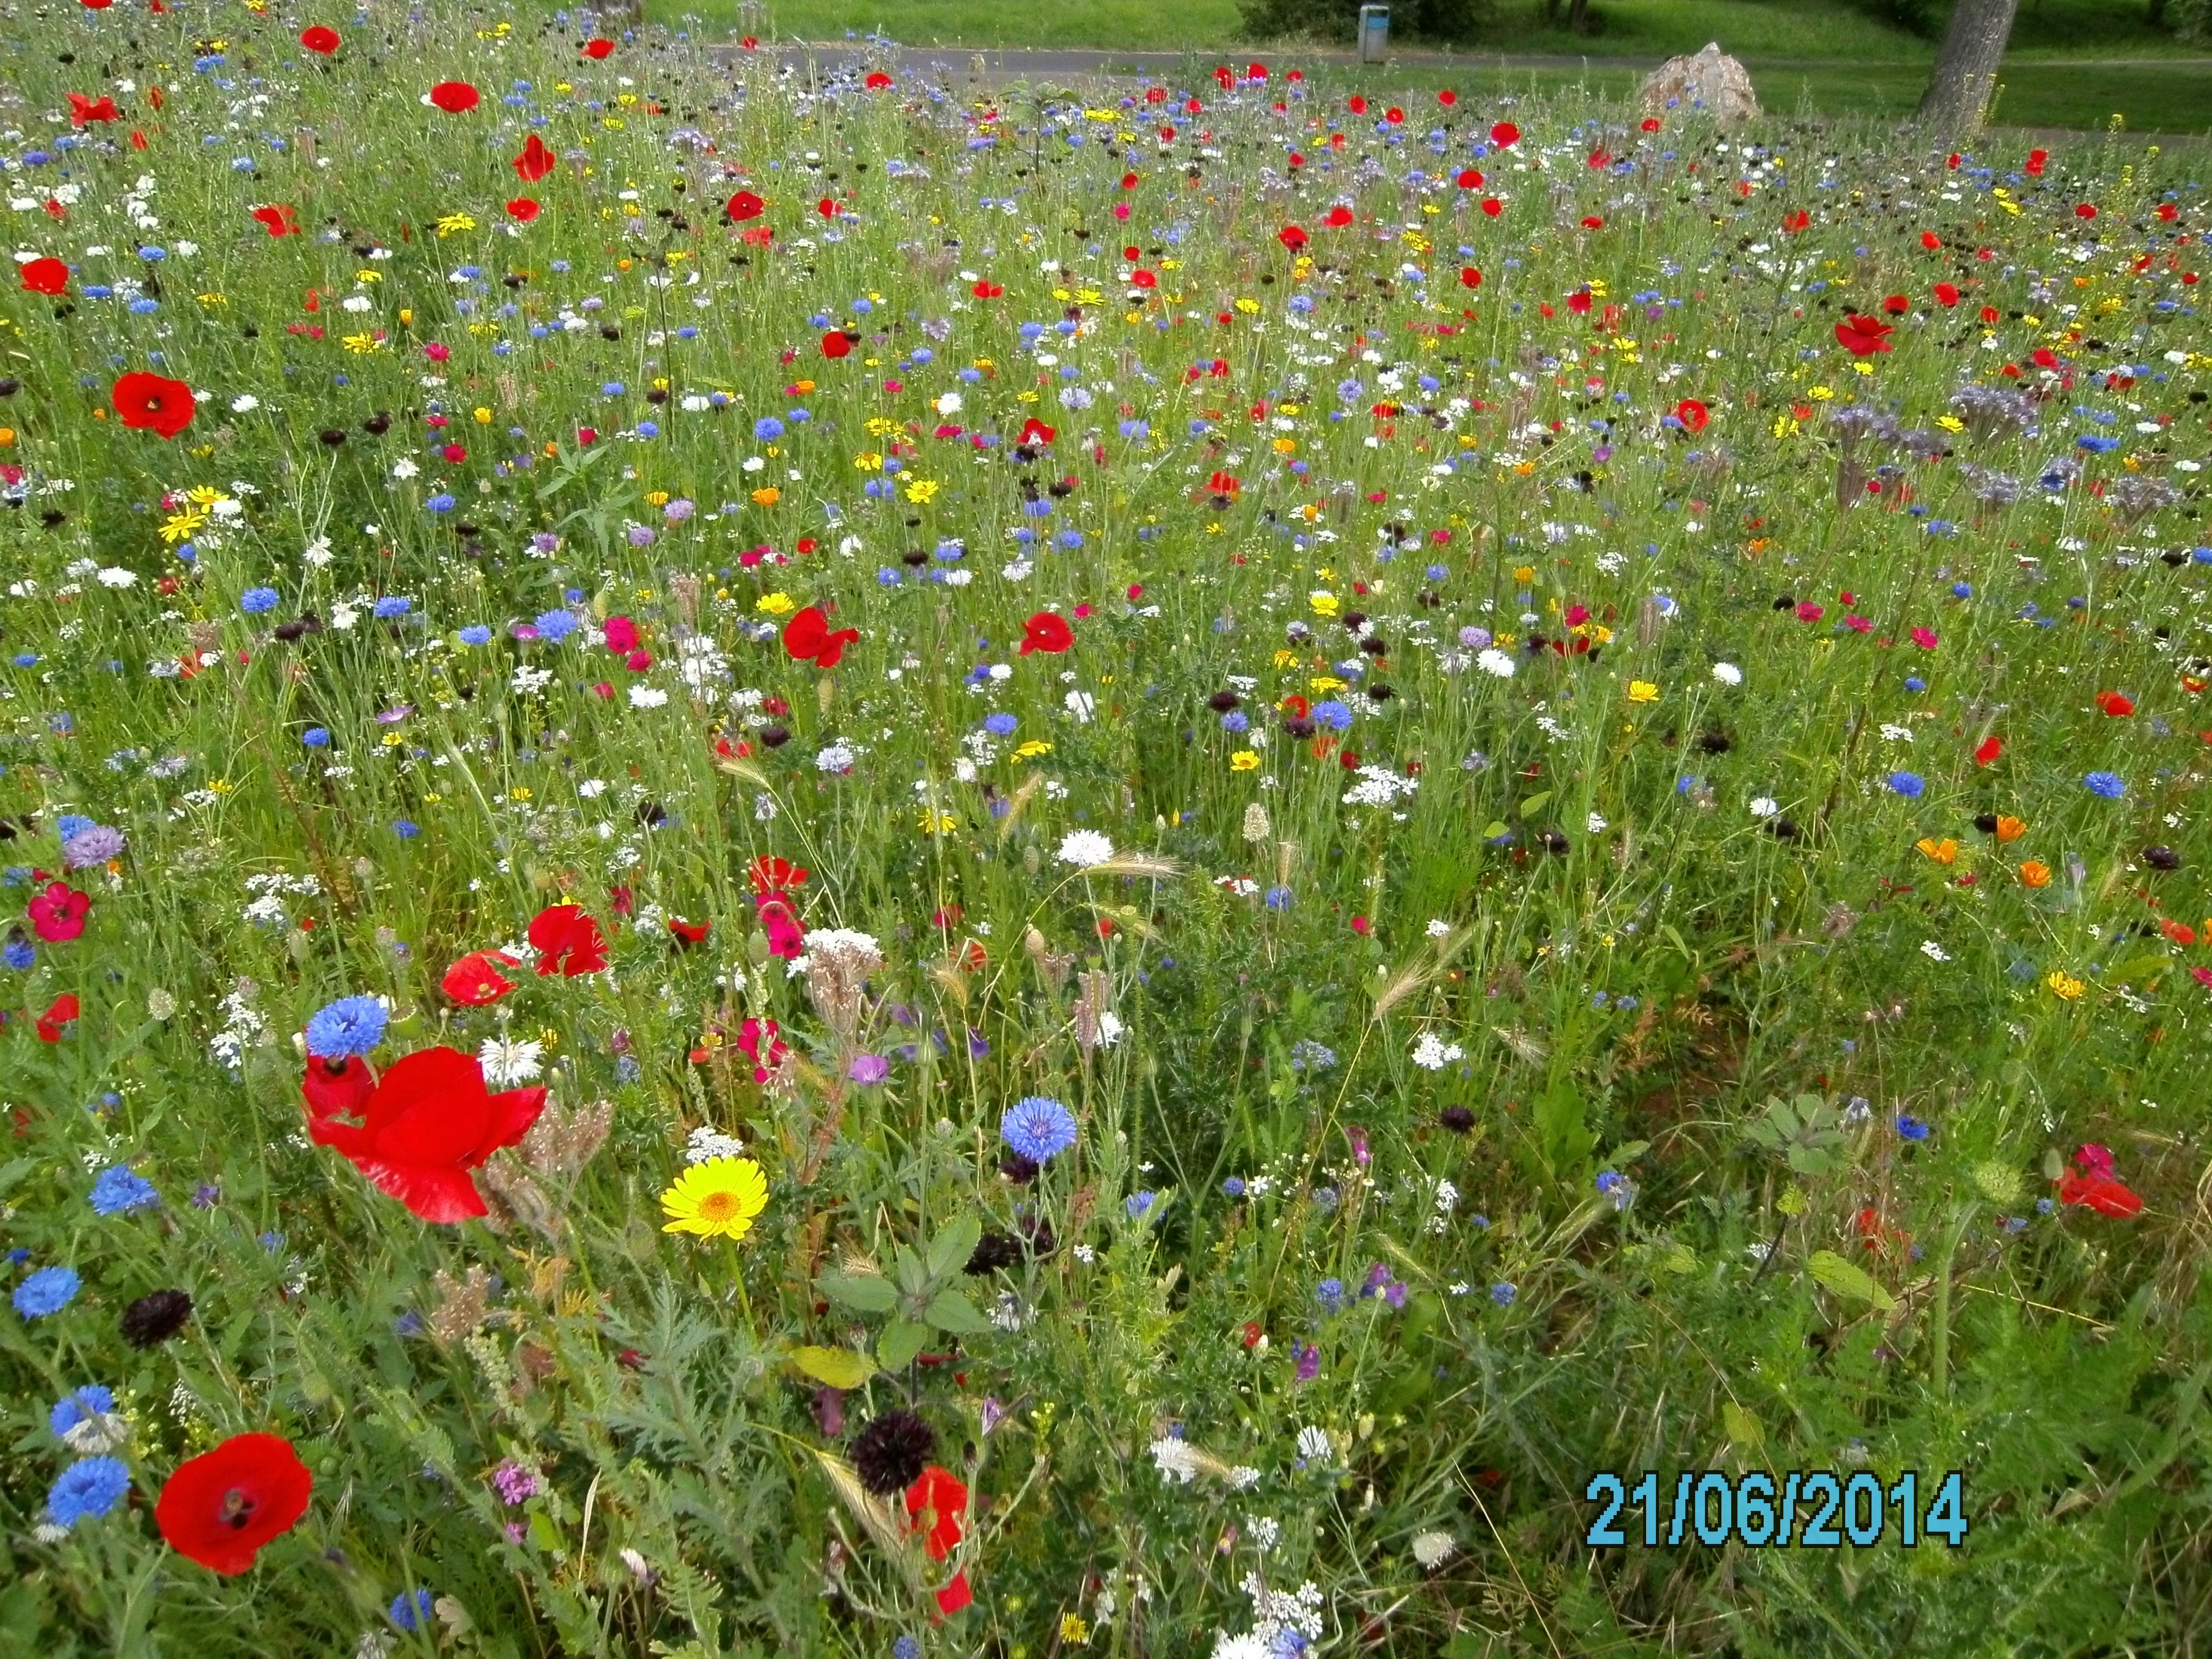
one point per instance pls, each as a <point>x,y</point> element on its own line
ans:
<point>1374,34</point>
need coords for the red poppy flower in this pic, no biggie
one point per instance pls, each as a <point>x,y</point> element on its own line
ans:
<point>1692,414</point>
<point>2116,704</point>
<point>935,1506</point>
<point>535,161</point>
<point>1447,97</point>
<point>689,934</point>
<point>475,980</point>
<point>876,80</point>
<point>597,50</point>
<point>1291,237</point>
<point>84,110</point>
<point>567,941</point>
<point>1035,432</point>
<point>319,38</point>
<point>1650,124</point>
<point>808,637</point>
<point>1358,105</point>
<point>2102,1193</point>
<point>1469,179</point>
<point>2085,210</point>
<point>219,1508</point>
<point>455,97</point>
<point>1897,305</point>
<point>985,290</point>
<point>1794,223</point>
<point>96,5</point>
<point>2037,159</point>
<point>955,1595</point>
<point>58,914</point>
<point>1863,336</point>
<point>47,276</point>
<point>1046,632</point>
<point>279,220</point>
<point>745,205</point>
<point>425,1125</point>
<point>1394,115</point>
<point>1990,748</point>
<point>1947,293</point>
<point>1493,206</point>
<point>837,344</point>
<point>1469,277</point>
<point>523,209</point>
<point>1579,302</point>
<point>1505,135</point>
<point>64,1012</point>
<point>827,207</point>
<point>2044,357</point>
<point>148,402</point>
<point>770,873</point>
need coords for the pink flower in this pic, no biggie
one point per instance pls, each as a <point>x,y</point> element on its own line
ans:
<point>1809,612</point>
<point>621,634</point>
<point>2095,1159</point>
<point>437,351</point>
<point>58,914</point>
<point>1924,638</point>
<point>1858,624</point>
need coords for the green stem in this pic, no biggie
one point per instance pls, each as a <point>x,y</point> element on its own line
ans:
<point>1938,1363</point>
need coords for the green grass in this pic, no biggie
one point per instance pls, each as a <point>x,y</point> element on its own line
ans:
<point>1597,769</point>
<point>1829,57</point>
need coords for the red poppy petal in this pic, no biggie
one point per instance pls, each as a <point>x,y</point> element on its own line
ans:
<point>440,1193</point>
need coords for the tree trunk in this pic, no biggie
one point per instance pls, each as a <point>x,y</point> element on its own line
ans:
<point>1958,95</point>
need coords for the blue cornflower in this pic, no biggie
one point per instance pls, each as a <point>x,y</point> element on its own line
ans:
<point>768,428</point>
<point>316,737</point>
<point>1038,1128</point>
<point>255,600</point>
<point>351,1026</point>
<point>121,1189</point>
<point>1503,1295</point>
<point>391,605</point>
<point>74,823</point>
<point>1139,1204</point>
<point>476,634</point>
<point>555,626</point>
<point>1233,1188</point>
<point>443,501</point>
<point>405,829</point>
<point>1330,1294</point>
<point>47,1292</point>
<point>410,1609</point>
<point>1332,715</point>
<point>1912,1129</point>
<point>2110,785</point>
<point>1276,899</point>
<point>999,725</point>
<point>87,1490</point>
<point>1911,785</point>
<point>18,953</point>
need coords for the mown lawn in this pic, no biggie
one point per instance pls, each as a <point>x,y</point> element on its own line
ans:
<point>2074,63</point>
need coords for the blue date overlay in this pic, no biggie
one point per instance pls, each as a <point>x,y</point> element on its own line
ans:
<point>1812,1509</point>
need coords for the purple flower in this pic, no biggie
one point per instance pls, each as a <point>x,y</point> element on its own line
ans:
<point>869,1068</point>
<point>1309,1362</point>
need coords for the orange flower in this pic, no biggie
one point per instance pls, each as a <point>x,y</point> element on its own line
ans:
<point>1945,851</point>
<point>2010,828</point>
<point>2035,873</point>
<point>2179,932</point>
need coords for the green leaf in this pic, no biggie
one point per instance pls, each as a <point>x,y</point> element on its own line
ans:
<point>1742,1427</point>
<point>1806,1160</point>
<point>951,1310</point>
<point>840,1368</point>
<point>2136,968</point>
<point>950,1250</point>
<point>1846,1279</point>
<point>901,1340</point>
<point>1493,829</point>
<point>869,1292</point>
<point>1535,804</point>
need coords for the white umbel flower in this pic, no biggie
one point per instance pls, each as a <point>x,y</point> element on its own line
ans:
<point>1084,847</point>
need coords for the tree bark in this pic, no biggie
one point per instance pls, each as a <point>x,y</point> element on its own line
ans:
<point>1958,95</point>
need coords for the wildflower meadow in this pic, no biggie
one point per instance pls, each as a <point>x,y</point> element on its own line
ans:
<point>804,863</point>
